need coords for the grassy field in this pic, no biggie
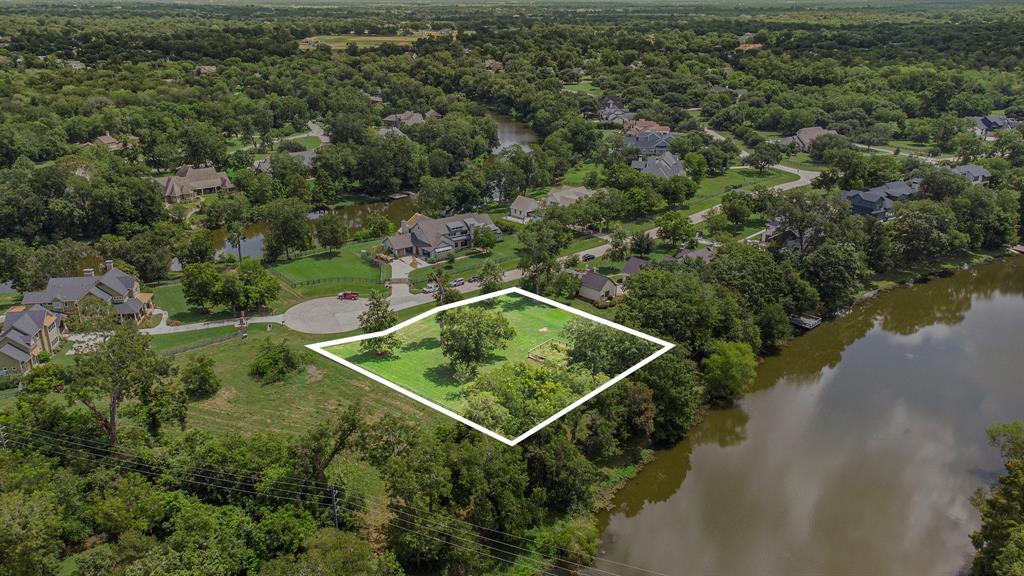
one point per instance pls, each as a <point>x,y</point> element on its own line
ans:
<point>584,86</point>
<point>319,390</point>
<point>163,343</point>
<point>171,298</point>
<point>347,262</point>
<point>576,175</point>
<point>420,366</point>
<point>802,161</point>
<point>8,300</point>
<point>340,41</point>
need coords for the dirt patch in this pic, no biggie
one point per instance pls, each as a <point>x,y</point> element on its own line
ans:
<point>314,374</point>
<point>330,404</point>
<point>222,399</point>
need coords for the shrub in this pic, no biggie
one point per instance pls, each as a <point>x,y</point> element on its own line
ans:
<point>276,360</point>
<point>199,379</point>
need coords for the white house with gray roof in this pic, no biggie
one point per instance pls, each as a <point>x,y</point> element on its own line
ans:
<point>436,237</point>
<point>597,287</point>
<point>120,289</point>
<point>523,209</point>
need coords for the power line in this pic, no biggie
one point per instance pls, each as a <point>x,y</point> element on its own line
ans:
<point>303,486</point>
<point>407,525</point>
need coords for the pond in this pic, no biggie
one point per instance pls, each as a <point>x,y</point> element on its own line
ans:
<point>511,132</point>
<point>354,214</point>
<point>857,452</point>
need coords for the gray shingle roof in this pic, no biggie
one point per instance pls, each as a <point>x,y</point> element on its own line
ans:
<point>594,281</point>
<point>634,265</point>
<point>665,165</point>
<point>525,204</point>
<point>14,352</point>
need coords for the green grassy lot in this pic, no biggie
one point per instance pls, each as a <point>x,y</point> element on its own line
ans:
<point>340,41</point>
<point>171,298</point>
<point>576,175</point>
<point>8,300</point>
<point>316,392</point>
<point>802,161</point>
<point>347,262</point>
<point>167,342</point>
<point>420,366</point>
<point>585,87</point>
<point>308,142</point>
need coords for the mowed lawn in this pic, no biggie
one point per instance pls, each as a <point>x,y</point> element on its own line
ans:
<point>347,262</point>
<point>420,366</point>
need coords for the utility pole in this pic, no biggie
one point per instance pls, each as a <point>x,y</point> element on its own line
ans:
<point>334,504</point>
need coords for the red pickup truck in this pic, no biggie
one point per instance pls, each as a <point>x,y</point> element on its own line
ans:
<point>348,296</point>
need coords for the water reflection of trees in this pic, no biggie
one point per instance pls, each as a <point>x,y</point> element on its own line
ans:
<point>663,477</point>
<point>903,311</point>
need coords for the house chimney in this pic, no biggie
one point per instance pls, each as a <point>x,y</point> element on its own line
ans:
<point>108,265</point>
<point>89,272</point>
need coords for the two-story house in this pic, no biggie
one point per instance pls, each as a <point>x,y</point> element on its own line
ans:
<point>880,201</point>
<point>27,332</point>
<point>436,237</point>
<point>120,289</point>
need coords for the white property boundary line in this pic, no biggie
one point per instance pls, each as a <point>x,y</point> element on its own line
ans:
<point>320,348</point>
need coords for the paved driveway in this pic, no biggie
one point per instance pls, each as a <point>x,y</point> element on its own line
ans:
<point>327,315</point>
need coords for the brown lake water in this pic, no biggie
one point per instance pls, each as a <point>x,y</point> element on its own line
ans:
<point>512,131</point>
<point>856,453</point>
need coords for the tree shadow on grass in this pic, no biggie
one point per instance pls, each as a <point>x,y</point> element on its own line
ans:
<point>513,303</point>
<point>422,344</point>
<point>442,375</point>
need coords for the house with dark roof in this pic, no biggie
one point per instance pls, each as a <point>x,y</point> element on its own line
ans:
<point>120,289</point>
<point>612,110</point>
<point>597,287</point>
<point>27,332</point>
<point>634,265</point>
<point>436,237</point>
<point>987,126</point>
<point>407,118</point>
<point>803,138</point>
<point>523,209</point>
<point>701,252</point>
<point>307,157</point>
<point>650,143</point>
<point>665,165</point>
<point>189,183</point>
<point>880,201</point>
<point>974,174</point>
